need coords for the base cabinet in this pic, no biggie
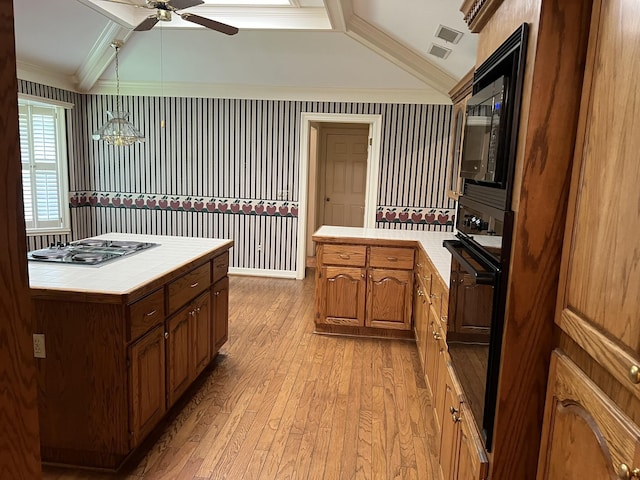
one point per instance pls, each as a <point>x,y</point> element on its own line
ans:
<point>366,288</point>
<point>147,383</point>
<point>585,434</point>
<point>220,317</point>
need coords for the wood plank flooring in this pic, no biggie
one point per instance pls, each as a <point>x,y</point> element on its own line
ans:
<point>281,402</point>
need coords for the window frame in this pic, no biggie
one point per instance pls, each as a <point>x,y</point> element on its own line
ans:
<point>61,164</point>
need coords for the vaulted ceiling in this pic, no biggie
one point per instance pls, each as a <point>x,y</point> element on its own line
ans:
<point>340,50</point>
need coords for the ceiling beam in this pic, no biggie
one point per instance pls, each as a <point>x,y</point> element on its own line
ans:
<point>100,56</point>
<point>399,54</point>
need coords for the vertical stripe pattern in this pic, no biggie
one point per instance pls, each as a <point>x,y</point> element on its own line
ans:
<point>242,149</point>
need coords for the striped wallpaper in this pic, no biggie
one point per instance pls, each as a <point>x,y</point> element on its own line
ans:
<point>246,150</point>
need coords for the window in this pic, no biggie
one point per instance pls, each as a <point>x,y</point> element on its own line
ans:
<point>43,151</point>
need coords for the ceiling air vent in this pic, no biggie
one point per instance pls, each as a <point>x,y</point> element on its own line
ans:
<point>438,51</point>
<point>448,34</point>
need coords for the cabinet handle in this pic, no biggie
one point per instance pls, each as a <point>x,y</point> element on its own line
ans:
<point>197,310</point>
<point>370,277</point>
<point>420,293</point>
<point>217,293</point>
<point>634,374</point>
<point>392,259</point>
<point>344,256</point>
<point>443,318</point>
<point>419,265</point>
<point>362,275</point>
<point>166,335</point>
<point>151,313</point>
<point>454,414</point>
<point>194,285</point>
<point>624,471</point>
<point>436,336</point>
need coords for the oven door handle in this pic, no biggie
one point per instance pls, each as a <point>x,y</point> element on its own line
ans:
<point>481,277</point>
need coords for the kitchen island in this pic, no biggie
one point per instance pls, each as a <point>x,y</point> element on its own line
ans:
<point>122,342</point>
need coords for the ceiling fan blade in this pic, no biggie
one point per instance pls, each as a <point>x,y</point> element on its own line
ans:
<point>212,24</point>
<point>147,24</point>
<point>181,4</point>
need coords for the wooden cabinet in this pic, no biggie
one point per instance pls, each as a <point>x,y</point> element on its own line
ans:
<point>220,317</point>
<point>188,340</point>
<point>462,456</point>
<point>140,351</point>
<point>592,410</point>
<point>364,289</point>
<point>470,305</point>
<point>459,96</point>
<point>146,383</point>
<point>585,435</point>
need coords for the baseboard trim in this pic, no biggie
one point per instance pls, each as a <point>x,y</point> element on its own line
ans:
<point>256,272</point>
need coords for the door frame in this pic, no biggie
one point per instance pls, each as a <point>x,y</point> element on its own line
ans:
<point>373,168</point>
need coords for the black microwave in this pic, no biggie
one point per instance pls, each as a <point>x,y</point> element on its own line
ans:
<point>483,153</point>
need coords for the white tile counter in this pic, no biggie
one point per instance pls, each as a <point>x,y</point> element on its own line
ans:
<point>128,273</point>
<point>431,242</point>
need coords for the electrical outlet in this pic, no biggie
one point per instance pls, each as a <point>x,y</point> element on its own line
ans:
<point>39,350</point>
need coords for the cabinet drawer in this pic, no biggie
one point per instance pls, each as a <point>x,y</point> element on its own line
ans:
<point>350,255</point>
<point>188,286</point>
<point>220,266</point>
<point>423,270</point>
<point>391,257</point>
<point>144,314</point>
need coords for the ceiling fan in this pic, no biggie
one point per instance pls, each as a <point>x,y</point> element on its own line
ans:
<point>164,9</point>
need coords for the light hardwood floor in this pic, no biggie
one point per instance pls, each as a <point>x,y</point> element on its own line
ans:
<point>282,402</point>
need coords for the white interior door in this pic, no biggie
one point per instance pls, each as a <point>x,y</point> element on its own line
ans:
<point>345,178</point>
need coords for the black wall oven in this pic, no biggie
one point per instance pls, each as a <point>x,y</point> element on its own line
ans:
<point>484,223</point>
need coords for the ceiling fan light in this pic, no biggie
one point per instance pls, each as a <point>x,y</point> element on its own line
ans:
<point>118,131</point>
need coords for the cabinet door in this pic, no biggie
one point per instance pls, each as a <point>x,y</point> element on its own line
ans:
<point>389,294</point>
<point>421,321</point>
<point>600,278</point>
<point>179,363</point>
<point>472,321</point>
<point>341,296</point>
<point>585,435</point>
<point>201,332</point>
<point>472,459</point>
<point>146,383</point>
<point>220,327</point>
<point>450,421</point>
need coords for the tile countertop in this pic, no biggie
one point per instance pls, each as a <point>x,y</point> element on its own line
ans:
<point>125,274</point>
<point>430,241</point>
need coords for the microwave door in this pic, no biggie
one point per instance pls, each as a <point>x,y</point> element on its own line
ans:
<point>476,145</point>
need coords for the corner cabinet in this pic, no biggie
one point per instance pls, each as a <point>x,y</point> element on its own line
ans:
<point>459,96</point>
<point>365,290</point>
<point>115,364</point>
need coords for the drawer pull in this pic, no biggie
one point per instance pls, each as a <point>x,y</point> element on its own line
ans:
<point>436,336</point>
<point>344,256</point>
<point>624,471</point>
<point>420,293</point>
<point>166,335</point>
<point>634,374</point>
<point>419,265</point>
<point>392,259</point>
<point>151,313</point>
<point>194,285</point>
<point>443,318</point>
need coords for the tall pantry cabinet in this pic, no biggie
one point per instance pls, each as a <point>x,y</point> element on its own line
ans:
<point>592,411</point>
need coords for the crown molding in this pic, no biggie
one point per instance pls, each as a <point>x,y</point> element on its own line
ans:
<point>37,74</point>
<point>400,55</point>
<point>478,12</point>
<point>100,56</point>
<point>338,12</point>
<point>259,92</point>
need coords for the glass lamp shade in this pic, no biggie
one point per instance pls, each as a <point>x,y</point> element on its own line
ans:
<point>118,130</point>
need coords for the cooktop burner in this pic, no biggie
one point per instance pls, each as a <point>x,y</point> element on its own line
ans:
<point>89,251</point>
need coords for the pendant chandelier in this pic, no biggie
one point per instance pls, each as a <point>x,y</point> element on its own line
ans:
<point>118,130</point>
